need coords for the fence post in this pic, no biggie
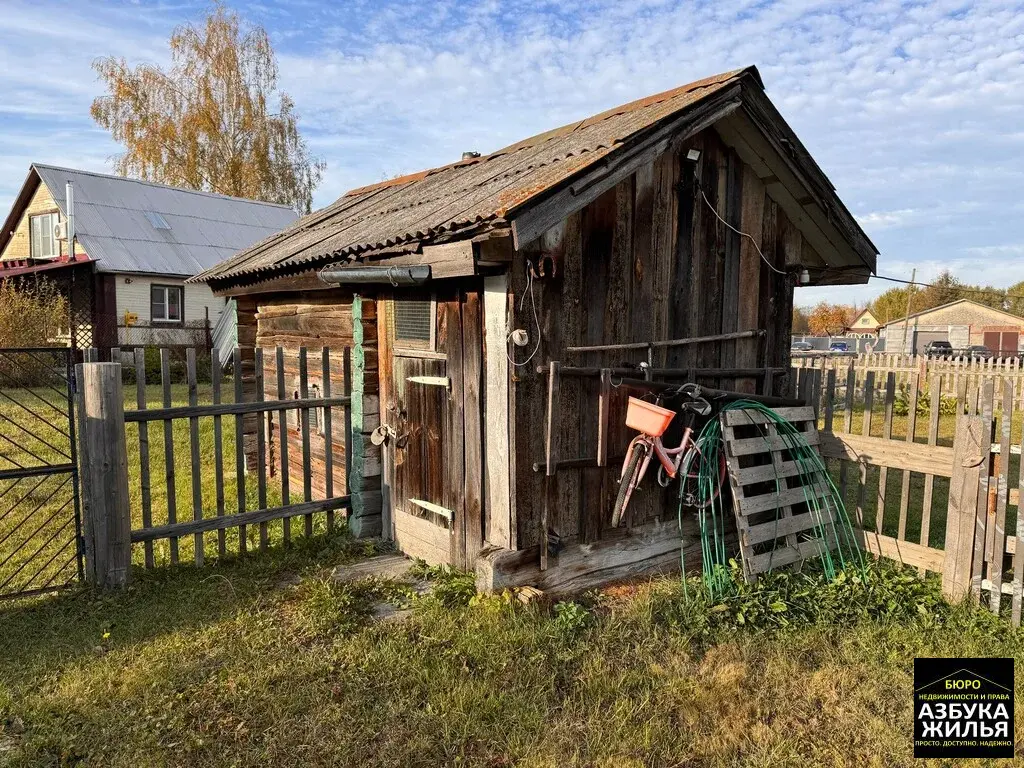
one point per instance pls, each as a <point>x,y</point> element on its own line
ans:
<point>103,459</point>
<point>364,480</point>
<point>972,440</point>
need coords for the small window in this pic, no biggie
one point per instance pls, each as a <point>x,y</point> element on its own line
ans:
<point>165,303</point>
<point>158,221</point>
<point>42,243</point>
<point>414,323</point>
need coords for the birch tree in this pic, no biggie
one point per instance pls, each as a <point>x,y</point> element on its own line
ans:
<point>214,120</point>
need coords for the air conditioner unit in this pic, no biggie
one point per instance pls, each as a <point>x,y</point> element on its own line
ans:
<point>60,231</point>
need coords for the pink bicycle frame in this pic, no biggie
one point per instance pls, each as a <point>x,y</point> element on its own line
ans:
<point>668,457</point>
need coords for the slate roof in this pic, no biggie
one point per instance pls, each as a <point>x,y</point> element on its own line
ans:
<point>464,197</point>
<point>119,222</point>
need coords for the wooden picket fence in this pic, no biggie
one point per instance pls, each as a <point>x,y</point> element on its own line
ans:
<point>931,476</point>
<point>283,413</point>
<point>956,372</point>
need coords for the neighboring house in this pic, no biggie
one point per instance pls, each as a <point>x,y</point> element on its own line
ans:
<point>864,326</point>
<point>602,232</point>
<point>136,243</point>
<point>962,323</point>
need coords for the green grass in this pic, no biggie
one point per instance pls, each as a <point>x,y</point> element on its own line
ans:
<point>266,662</point>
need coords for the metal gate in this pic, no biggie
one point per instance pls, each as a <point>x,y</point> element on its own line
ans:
<point>40,523</point>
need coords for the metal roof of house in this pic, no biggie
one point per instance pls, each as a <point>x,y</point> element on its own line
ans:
<point>1017,320</point>
<point>463,197</point>
<point>128,225</point>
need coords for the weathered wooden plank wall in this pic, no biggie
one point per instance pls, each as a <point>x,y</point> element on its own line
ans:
<point>648,260</point>
<point>316,320</point>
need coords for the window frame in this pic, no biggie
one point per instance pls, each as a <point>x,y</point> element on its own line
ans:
<point>166,288</point>
<point>54,217</point>
<point>413,346</point>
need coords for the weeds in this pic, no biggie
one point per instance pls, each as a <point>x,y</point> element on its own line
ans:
<point>268,661</point>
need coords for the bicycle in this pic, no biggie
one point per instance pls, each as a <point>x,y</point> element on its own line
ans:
<point>651,420</point>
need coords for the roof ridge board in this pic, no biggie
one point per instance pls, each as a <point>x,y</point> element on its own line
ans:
<point>511,171</point>
<point>177,215</point>
<point>158,185</point>
<point>537,140</point>
<point>119,238</point>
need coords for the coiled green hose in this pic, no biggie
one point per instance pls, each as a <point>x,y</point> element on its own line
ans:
<point>831,523</point>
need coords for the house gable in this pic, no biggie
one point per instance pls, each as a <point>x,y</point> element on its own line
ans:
<point>34,199</point>
<point>960,312</point>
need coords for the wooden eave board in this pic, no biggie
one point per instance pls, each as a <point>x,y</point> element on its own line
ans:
<point>765,480</point>
<point>739,132</point>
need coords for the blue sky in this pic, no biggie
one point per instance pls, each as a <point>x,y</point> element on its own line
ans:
<point>914,110</point>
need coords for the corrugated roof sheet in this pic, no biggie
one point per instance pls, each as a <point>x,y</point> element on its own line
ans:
<point>113,222</point>
<point>463,196</point>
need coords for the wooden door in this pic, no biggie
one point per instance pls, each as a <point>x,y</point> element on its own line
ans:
<point>415,403</point>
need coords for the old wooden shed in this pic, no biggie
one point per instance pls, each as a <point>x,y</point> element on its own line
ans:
<point>459,285</point>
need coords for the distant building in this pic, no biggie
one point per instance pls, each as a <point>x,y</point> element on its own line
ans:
<point>136,244</point>
<point>962,323</point>
<point>864,326</point>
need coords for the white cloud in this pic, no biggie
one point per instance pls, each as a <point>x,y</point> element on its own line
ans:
<point>913,110</point>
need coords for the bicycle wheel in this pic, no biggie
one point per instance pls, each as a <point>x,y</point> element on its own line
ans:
<point>689,469</point>
<point>630,479</point>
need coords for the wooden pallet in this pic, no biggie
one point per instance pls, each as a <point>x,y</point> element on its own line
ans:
<point>770,499</point>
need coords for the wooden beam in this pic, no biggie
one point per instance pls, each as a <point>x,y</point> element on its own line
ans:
<point>500,524</point>
<point>927,459</point>
<point>104,465</point>
<point>972,432</point>
<point>231,409</point>
<point>536,217</point>
<point>646,550</point>
<point>238,519</point>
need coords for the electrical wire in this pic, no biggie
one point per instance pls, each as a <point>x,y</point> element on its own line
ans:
<point>536,322</point>
<point>771,266</point>
<point>961,289</point>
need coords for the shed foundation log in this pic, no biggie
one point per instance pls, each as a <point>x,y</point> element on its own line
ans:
<point>647,550</point>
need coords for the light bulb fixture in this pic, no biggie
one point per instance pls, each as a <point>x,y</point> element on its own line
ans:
<point>805,277</point>
<point>693,155</point>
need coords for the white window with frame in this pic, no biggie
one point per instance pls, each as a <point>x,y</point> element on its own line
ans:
<point>42,243</point>
<point>165,303</point>
<point>413,324</point>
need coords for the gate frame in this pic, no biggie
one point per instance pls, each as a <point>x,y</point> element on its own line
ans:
<point>70,467</point>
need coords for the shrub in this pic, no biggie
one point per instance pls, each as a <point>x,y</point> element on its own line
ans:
<point>901,403</point>
<point>31,315</point>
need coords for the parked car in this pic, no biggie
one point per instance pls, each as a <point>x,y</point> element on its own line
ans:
<point>839,346</point>
<point>978,352</point>
<point>801,346</point>
<point>938,349</point>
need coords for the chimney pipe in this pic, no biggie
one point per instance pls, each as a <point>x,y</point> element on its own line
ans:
<point>69,204</point>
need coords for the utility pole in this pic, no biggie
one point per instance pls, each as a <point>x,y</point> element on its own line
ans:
<point>906,319</point>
